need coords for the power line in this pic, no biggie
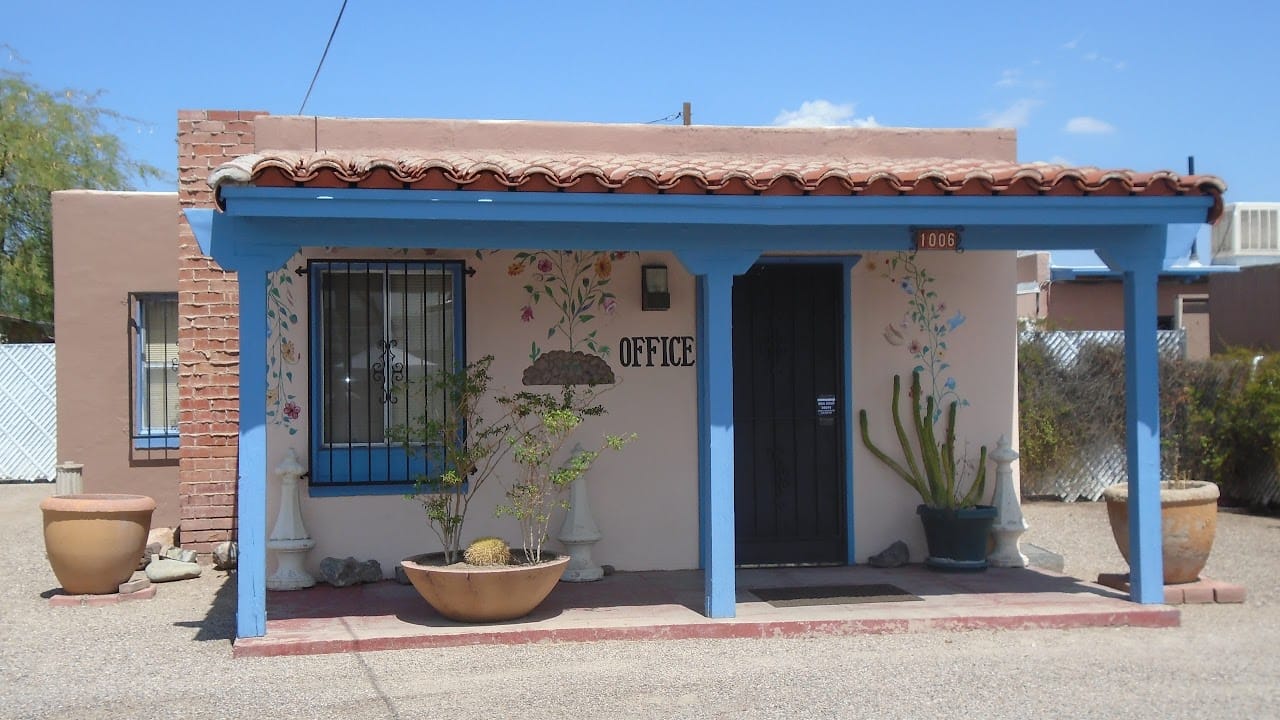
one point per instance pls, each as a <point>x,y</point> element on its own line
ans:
<point>323,55</point>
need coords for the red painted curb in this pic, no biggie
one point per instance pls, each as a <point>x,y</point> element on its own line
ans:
<point>1150,617</point>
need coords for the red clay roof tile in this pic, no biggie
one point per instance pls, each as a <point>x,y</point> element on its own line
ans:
<point>700,174</point>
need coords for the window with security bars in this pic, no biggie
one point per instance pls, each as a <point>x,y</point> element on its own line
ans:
<point>379,330</point>
<point>154,370</point>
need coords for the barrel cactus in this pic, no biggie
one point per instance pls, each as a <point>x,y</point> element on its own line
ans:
<point>487,551</point>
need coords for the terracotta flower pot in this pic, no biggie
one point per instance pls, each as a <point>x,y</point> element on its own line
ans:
<point>1188,520</point>
<point>467,593</point>
<point>94,541</point>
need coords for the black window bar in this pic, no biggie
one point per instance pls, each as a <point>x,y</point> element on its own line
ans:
<point>380,330</point>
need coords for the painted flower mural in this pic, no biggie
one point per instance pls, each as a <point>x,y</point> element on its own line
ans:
<point>576,286</point>
<point>282,353</point>
<point>924,327</point>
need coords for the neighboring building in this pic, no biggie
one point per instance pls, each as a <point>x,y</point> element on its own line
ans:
<point>1242,316</point>
<point>1076,290</point>
<point>116,279</point>
<point>369,251</point>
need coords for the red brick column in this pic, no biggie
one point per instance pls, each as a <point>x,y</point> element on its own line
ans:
<point>208,338</point>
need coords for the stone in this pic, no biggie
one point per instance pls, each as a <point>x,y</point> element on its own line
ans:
<point>224,555</point>
<point>401,576</point>
<point>162,536</point>
<point>134,586</point>
<point>164,569</point>
<point>369,571</point>
<point>180,554</point>
<point>896,555</point>
<point>338,572</point>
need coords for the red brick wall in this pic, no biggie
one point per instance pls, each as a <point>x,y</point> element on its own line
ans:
<point>208,338</point>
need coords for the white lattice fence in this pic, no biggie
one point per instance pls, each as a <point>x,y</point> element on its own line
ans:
<point>28,412</point>
<point>1088,474</point>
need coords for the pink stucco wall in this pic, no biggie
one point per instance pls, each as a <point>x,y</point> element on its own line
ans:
<point>312,133</point>
<point>107,245</point>
<point>645,499</point>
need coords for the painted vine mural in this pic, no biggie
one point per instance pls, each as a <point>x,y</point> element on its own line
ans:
<point>574,286</point>
<point>924,326</point>
<point>282,352</point>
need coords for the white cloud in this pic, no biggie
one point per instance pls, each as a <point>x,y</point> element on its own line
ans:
<point>822,113</point>
<point>1060,160</point>
<point>1073,44</point>
<point>1091,56</point>
<point>1009,78</point>
<point>1085,125</point>
<point>1016,115</point>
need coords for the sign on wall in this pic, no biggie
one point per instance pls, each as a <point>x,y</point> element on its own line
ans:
<point>657,351</point>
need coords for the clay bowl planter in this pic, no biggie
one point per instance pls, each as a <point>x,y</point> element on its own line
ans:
<point>94,541</point>
<point>1188,520</point>
<point>470,593</point>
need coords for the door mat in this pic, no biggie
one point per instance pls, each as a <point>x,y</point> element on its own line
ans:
<point>832,595</point>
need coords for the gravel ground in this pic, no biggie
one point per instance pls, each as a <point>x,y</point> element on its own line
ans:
<point>170,657</point>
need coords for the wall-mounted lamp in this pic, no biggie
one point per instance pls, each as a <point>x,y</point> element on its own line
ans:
<point>655,293</point>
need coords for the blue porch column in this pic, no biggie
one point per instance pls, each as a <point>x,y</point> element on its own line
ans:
<point>715,273</point>
<point>251,490</point>
<point>237,246</point>
<point>1140,262</point>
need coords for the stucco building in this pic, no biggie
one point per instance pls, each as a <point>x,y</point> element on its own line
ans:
<point>322,261</point>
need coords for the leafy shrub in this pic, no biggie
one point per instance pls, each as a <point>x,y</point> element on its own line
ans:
<point>1220,418</point>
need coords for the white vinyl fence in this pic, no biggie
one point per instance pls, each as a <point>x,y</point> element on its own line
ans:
<point>1094,469</point>
<point>28,412</point>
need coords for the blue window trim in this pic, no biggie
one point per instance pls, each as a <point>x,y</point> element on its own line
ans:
<point>325,480</point>
<point>147,438</point>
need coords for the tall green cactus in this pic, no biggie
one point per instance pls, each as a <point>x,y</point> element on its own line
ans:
<point>930,470</point>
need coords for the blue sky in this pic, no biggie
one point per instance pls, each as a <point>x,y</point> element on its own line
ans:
<point>1136,85</point>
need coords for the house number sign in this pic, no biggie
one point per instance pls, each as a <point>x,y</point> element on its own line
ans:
<point>937,238</point>
<point>656,351</point>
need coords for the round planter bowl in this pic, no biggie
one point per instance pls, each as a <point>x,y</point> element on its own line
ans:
<point>94,541</point>
<point>468,593</point>
<point>1188,521</point>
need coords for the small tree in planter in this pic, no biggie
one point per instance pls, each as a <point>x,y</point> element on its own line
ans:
<point>543,425</point>
<point>462,447</point>
<point>532,428</point>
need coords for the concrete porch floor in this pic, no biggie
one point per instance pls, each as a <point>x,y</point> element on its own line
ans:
<point>668,604</point>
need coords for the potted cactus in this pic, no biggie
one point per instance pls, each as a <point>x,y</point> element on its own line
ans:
<point>955,524</point>
<point>486,582</point>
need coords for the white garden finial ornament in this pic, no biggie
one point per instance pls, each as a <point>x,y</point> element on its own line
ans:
<point>289,539</point>
<point>1009,524</point>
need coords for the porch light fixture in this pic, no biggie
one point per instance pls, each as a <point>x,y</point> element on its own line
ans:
<point>655,294</point>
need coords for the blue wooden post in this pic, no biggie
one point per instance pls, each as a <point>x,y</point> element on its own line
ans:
<point>1141,262</point>
<point>251,572</point>
<point>715,273</point>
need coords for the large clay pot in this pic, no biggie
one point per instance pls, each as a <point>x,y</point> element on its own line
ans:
<point>94,541</point>
<point>957,538</point>
<point>1188,520</point>
<point>468,593</point>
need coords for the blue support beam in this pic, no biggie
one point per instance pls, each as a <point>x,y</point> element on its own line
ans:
<point>715,274</point>
<point>251,490</point>
<point>1140,261</point>
<point>717,210</point>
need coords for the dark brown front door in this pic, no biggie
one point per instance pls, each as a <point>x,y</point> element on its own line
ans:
<point>789,423</point>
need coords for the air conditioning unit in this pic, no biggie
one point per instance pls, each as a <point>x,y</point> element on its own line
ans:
<point>1247,234</point>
